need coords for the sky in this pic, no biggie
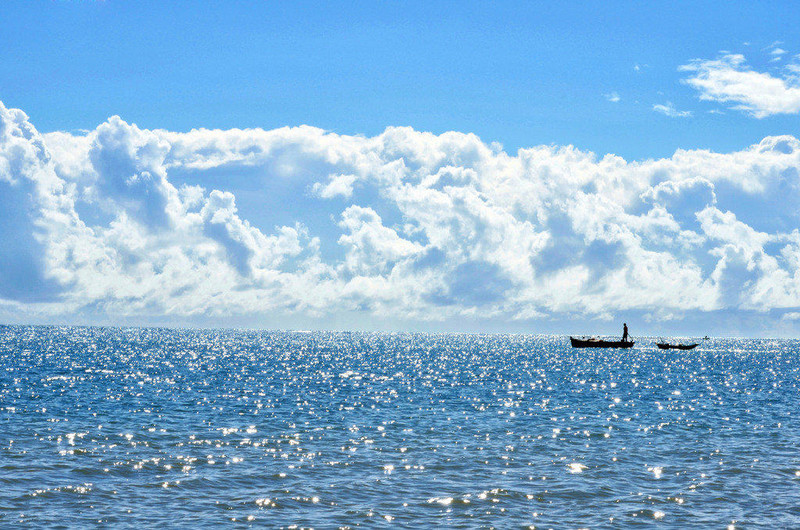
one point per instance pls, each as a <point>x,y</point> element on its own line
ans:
<point>404,166</point>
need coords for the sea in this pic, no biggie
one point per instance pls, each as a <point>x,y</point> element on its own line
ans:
<point>141,428</point>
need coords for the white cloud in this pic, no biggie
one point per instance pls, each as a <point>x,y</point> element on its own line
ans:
<point>731,81</point>
<point>777,55</point>
<point>337,185</point>
<point>371,246</point>
<point>613,97</point>
<point>669,110</point>
<point>402,225</point>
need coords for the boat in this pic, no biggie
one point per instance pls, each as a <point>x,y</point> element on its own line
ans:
<point>594,342</point>
<point>668,346</point>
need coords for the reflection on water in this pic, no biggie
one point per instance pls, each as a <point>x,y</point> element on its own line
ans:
<point>131,427</point>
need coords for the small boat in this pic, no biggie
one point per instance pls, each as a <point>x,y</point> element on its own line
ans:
<point>668,346</point>
<point>594,342</point>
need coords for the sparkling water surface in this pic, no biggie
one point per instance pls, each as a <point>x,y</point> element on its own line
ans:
<point>190,428</point>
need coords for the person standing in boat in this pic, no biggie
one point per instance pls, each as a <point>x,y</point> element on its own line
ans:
<point>624,332</point>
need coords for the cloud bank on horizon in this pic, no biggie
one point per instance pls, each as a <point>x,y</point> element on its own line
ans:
<point>405,225</point>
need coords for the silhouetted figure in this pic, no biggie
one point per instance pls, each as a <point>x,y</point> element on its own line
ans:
<point>624,332</point>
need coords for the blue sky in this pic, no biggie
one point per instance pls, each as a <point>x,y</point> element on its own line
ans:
<point>521,74</point>
<point>386,165</point>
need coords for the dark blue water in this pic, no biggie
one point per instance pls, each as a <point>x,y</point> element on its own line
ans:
<point>146,427</point>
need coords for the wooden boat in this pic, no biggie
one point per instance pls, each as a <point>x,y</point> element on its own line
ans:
<point>668,346</point>
<point>599,343</point>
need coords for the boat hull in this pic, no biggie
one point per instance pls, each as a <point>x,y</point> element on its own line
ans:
<point>589,343</point>
<point>667,346</point>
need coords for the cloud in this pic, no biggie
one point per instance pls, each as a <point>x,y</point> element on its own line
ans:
<point>613,97</point>
<point>370,245</point>
<point>731,81</point>
<point>32,199</point>
<point>124,222</point>
<point>337,185</point>
<point>669,110</point>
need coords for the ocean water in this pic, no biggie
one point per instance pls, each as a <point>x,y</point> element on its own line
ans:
<point>103,427</point>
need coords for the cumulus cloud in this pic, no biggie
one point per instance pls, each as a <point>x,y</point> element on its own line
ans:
<point>731,81</point>
<point>403,225</point>
<point>371,246</point>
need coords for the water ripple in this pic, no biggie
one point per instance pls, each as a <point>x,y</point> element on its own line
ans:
<point>132,427</point>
